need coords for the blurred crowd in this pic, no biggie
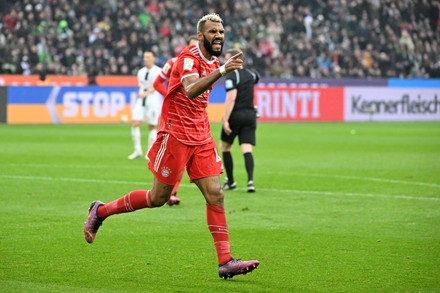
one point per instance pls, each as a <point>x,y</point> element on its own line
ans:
<point>280,38</point>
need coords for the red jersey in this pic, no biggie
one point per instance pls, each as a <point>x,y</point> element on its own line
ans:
<point>164,75</point>
<point>166,69</point>
<point>186,119</point>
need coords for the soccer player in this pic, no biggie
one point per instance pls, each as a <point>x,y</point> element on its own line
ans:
<point>184,140</point>
<point>239,119</point>
<point>160,82</point>
<point>159,85</point>
<point>148,105</point>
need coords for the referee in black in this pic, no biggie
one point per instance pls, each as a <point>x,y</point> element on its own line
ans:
<point>239,119</point>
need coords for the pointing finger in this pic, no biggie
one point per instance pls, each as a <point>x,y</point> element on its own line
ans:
<point>237,56</point>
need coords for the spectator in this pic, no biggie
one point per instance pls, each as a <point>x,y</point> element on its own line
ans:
<point>91,78</point>
<point>289,35</point>
<point>42,79</point>
<point>308,22</point>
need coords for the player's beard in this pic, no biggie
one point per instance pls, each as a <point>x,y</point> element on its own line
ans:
<point>208,47</point>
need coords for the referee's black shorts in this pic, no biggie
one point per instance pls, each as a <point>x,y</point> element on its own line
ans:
<point>243,124</point>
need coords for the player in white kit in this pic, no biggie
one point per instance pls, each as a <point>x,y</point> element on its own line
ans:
<point>148,105</point>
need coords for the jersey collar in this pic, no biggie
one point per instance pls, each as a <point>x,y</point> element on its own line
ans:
<point>203,56</point>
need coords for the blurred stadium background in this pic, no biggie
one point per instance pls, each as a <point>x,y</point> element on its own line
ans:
<point>335,60</point>
<point>281,38</point>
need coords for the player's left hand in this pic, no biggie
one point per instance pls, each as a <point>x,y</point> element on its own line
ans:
<point>235,62</point>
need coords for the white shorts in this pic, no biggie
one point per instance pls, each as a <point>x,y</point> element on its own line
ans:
<point>151,110</point>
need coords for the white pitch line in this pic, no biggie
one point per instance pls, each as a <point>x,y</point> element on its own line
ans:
<point>144,166</point>
<point>362,178</point>
<point>100,166</point>
<point>48,178</point>
<point>274,190</point>
<point>354,194</point>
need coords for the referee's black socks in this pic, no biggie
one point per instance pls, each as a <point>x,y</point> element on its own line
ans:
<point>249,163</point>
<point>229,166</point>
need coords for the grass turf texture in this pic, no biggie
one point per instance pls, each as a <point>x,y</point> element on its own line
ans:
<point>339,207</point>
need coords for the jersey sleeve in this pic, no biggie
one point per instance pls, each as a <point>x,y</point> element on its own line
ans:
<point>166,69</point>
<point>139,81</point>
<point>159,85</point>
<point>231,81</point>
<point>256,77</point>
<point>187,65</point>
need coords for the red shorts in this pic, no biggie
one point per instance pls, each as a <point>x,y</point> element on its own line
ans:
<point>168,158</point>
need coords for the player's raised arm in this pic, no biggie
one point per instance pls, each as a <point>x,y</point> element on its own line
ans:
<point>195,86</point>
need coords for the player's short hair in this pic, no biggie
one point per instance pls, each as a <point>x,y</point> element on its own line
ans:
<point>214,17</point>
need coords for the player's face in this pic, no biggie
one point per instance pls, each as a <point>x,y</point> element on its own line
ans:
<point>148,59</point>
<point>213,38</point>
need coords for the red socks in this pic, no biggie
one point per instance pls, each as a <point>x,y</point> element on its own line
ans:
<point>130,202</point>
<point>176,187</point>
<point>140,199</point>
<point>219,230</point>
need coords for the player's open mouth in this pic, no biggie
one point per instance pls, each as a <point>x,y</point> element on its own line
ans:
<point>217,44</point>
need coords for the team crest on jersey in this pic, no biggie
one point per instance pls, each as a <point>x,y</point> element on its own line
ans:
<point>188,64</point>
<point>165,172</point>
<point>204,73</point>
<point>166,68</point>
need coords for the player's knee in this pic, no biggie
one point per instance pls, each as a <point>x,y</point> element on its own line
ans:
<point>158,200</point>
<point>225,147</point>
<point>246,148</point>
<point>215,195</point>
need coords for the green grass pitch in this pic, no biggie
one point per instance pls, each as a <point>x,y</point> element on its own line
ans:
<point>339,207</point>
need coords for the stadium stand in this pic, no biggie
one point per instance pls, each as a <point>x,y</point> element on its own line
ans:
<point>281,38</point>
